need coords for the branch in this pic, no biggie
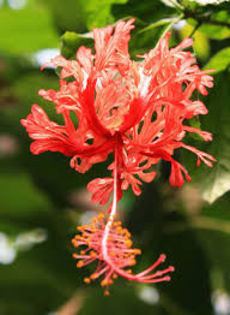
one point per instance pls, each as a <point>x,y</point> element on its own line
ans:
<point>205,19</point>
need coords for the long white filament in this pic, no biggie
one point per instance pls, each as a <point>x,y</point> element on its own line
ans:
<point>112,212</point>
<point>143,276</point>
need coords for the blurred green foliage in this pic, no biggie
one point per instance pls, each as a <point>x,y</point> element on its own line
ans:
<point>26,30</point>
<point>191,226</point>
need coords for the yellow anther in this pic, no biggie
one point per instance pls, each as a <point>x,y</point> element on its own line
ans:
<point>117,223</point>
<point>104,282</point>
<point>94,276</point>
<point>119,246</point>
<point>106,293</point>
<point>93,254</point>
<point>128,243</point>
<point>82,228</point>
<point>80,264</point>
<point>125,232</point>
<point>87,280</point>
<point>75,243</point>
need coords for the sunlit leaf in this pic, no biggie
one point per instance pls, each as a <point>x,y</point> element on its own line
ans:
<point>216,32</point>
<point>26,30</point>
<point>67,15</point>
<point>220,61</point>
<point>216,25</point>
<point>201,44</point>
<point>98,12</point>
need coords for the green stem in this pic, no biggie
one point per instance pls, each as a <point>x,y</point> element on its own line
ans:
<point>176,5</point>
<point>173,21</point>
<point>205,19</point>
<point>195,29</point>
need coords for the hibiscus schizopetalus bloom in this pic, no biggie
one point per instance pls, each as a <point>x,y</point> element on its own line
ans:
<point>136,111</point>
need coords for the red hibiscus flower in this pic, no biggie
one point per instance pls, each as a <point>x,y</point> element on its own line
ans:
<point>135,110</point>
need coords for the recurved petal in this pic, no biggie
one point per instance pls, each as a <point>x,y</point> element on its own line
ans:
<point>49,136</point>
<point>101,189</point>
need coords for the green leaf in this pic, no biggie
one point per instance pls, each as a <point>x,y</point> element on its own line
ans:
<point>70,42</point>
<point>80,16</point>
<point>219,210</point>
<point>67,16</point>
<point>220,61</point>
<point>213,183</point>
<point>216,25</point>
<point>98,12</point>
<point>26,30</point>
<point>201,43</point>
<point>215,31</point>
<point>145,38</point>
<point>147,11</point>
<point>217,182</point>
